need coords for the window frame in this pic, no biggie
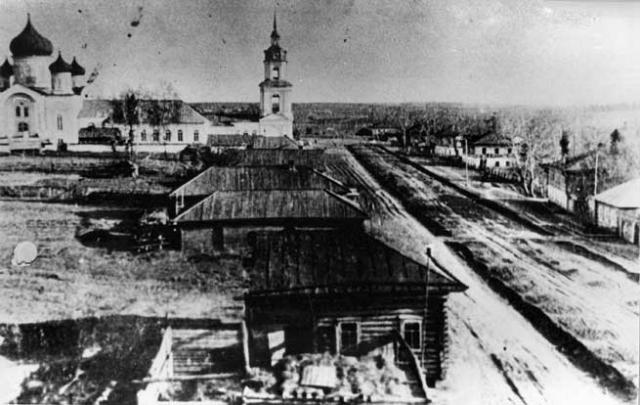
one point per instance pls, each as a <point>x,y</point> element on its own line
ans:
<point>420,332</point>
<point>59,123</point>
<point>275,106</point>
<point>196,136</point>
<point>180,136</point>
<point>18,111</point>
<point>339,340</point>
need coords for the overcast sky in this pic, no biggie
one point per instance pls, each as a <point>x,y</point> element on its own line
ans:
<point>479,51</point>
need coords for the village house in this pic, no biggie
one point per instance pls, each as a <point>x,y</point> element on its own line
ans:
<point>222,221</point>
<point>618,210</point>
<point>314,158</point>
<point>489,151</point>
<point>220,143</point>
<point>249,178</point>
<point>333,291</point>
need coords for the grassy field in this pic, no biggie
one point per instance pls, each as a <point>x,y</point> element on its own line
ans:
<point>70,280</point>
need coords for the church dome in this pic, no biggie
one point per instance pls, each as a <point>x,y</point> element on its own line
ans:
<point>30,43</point>
<point>6,70</point>
<point>60,66</point>
<point>76,68</point>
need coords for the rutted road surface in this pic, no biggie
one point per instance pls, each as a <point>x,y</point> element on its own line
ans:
<point>496,356</point>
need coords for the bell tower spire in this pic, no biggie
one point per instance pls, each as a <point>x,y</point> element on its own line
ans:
<point>275,37</point>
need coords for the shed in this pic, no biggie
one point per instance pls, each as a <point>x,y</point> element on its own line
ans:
<point>331,291</point>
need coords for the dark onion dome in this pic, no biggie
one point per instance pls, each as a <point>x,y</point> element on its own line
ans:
<point>59,66</point>
<point>6,70</point>
<point>76,68</point>
<point>30,43</point>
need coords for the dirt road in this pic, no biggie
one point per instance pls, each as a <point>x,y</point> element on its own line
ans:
<point>496,355</point>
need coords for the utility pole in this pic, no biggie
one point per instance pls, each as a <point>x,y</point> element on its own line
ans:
<point>466,160</point>
<point>426,305</point>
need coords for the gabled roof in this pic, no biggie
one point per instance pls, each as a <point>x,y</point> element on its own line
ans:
<point>243,178</point>
<point>271,205</point>
<point>493,139</point>
<point>625,195</point>
<point>317,262</point>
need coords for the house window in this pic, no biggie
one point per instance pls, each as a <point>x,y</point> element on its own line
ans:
<point>411,334</point>
<point>509,151</point>
<point>275,103</point>
<point>348,335</point>
<point>23,127</point>
<point>497,151</point>
<point>25,111</point>
<point>180,137</point>
<point>156,135</point>
<point>507,163</point>
<point>484,151</point>
<point>196,136</point>
<point>497,163</point>
<point>59,121</point>
<point>167,135</point>
<point>143,135</point>
<point>17,111</point>
<point>276,73</point>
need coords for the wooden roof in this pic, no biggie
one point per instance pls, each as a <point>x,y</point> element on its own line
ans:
<point>276,157</point>
<point>271,204</point>
<point>312,261</point>
<point>248,178</point>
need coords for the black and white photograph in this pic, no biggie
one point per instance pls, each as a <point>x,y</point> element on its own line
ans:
<point>314,202</point>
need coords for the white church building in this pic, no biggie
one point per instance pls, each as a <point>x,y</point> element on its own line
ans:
<point>41,103</point>
<point>39,95</point>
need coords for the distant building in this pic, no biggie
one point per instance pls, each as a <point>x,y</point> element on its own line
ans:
<point>338,292</point>
<point>618,209</point>
<point>40,97</point>
<point>490,151</point>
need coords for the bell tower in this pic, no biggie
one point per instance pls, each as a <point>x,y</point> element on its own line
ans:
<point>275,91</point>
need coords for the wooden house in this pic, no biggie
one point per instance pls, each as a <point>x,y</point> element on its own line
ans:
<point>489,151</point>
<point>332,291</point>
<point>618,208</point>
<point>248,178</point>
<point>222,221</point>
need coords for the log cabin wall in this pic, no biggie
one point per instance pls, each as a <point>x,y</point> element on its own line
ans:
<point>320,319</point>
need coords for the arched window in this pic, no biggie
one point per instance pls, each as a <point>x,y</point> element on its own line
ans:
<point>275,103</point>
<point>23,127</point>
<point>275,75</point>
<point>25,111</point>
<point>59,120</point>
<point>196,136</point>
<point>156,135</point>
<point>180,135</point>
<point>17,111</point>
<point>143,135</point>
<point>167,135</point>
